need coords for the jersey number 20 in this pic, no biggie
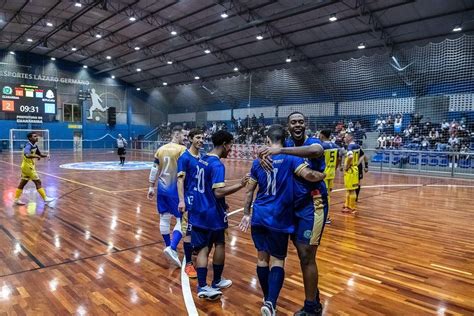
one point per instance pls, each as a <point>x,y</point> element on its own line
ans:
<point>200,179</point>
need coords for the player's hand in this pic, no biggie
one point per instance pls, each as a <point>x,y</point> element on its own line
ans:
<point>366,170</point>
<point>245,179</point>
<point>151,193</point>
<point>266,163</point>
<point>38,157</point>
<point>268,151</point>
<point>182,206</point>
<point>244,223</point>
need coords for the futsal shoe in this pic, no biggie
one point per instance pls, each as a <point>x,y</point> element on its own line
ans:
<point>268,309</point>
<point>222,284</point>
<point>190,271</point>
<point>316,312</point>
<point>346,210</point>
<point>19,202</point>
<point>209,293</point>
<point>49,199</point>
<point>328,221</point>
<point>172,256</point>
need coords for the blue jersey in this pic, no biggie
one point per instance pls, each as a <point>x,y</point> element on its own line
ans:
<point>188,166</point>
<point>304,188</point>
<point>209,212</point>
<point>273,206</point>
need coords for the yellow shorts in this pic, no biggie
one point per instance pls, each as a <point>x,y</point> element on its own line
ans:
<point>329,184</point>
<point>351,179</point>
<point>29,173</point>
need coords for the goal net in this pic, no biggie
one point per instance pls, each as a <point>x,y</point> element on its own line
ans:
<point>18,139</point>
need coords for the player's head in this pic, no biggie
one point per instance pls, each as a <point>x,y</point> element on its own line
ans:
<point>325,135</point>
<point>177,134</point>
<point>224,140</point>
<point>297,125</point>
<point>32,137</point>
<point>276,135</point>
<point>348,138</point>
<point>196,137</point>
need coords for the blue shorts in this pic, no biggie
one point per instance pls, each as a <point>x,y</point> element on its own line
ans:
<point>201,238</point>
<point>273,242</point>
<point>168,204</point>
<point>310,221</point>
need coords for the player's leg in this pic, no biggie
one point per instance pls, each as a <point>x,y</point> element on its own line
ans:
<point>263,258</point>
<point>19,191</point>
<point>165,223</point>
<point>41,190</point>
<point>187,247</point>
<point>171,251</point>
<point>361,176</point>
<point>218,239</point>
<point>348,187</point>
<point>329,186</point>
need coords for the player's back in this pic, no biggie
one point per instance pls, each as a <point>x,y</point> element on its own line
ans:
<point>167,156</point>
<point>331,151</point>
<point>353,150</point>
<point>209,212</point>
<point>274,204</point>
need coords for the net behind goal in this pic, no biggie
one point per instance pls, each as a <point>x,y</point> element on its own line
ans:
<point>18,139</point>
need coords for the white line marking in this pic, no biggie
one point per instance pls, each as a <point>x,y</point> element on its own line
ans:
<point>187,294</point>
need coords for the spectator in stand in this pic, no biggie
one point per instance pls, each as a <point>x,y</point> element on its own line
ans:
<point>397,125</point>
<point>382,141</point>
<point>339,126</point>
<point>358,126</point>
<point>397,141</point>
<point>381,124</point>
<point>247,122</point>
<point>433,137</point>
<point>453,141</point>
<point>445,125</point>
<point>425,145</point>
<point>254,122</point>
<point>408,132</point>
<point>359,135</point>
<point>261,120</point>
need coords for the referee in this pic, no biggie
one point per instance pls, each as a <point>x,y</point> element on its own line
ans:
<point>121,145</point>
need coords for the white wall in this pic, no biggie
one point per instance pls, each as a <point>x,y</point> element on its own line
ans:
<point>377,106</point>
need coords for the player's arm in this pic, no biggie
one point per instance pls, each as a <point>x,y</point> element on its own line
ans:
<point>311,151</point>
<point>222,191</point>
<point>245,222</point>
<point>180,184</point>
<point>308,174</point>
<point>40,154</point>
<point>154,171</point>
<point>348,164</point>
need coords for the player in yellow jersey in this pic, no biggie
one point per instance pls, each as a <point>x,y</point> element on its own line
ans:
<point>351,174</point>
<point>165,168</point>
<point>331,156</point>
<point>28,169</point>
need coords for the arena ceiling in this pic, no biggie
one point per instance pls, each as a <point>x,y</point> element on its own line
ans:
<point>150,43</point>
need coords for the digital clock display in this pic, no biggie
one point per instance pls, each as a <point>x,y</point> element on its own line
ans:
<point>27,100</point>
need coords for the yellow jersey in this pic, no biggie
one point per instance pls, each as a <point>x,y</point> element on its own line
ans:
<point>330,157</point>
<point>167,158</point>
<point>30,149</point>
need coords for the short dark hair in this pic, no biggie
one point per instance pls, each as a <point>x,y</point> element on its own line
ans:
<point>276,133</point>
<point>177,128</point>
<point>30,134</point>
<point>194,132</point>
<point>293,113</point>
<point>326,133</point>
<point>222,137</point>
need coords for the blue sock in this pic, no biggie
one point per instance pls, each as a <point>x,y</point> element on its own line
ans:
<point>218,268</point>
<point>167,239</point>
<point>188,251</point>
<point>176,239</point>
<point>202,276</point>
<point>275,283</point>
<point>311,306</point>
<point>262,273</point>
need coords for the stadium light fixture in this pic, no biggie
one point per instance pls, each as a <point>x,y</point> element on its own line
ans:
<point>457,28</point>
<point>174,33</point>
<point>108,57</point>
<point>73,49</point>
<point>197,78</point>
<point>207,51</point>
<point>224,15</point>
<point>29,40</point>
<point>137,48</point>
<point>84,66</point>
<point>132,19</point>
<point>78,5</point>
<point>288,59</point>
<point>165,83</point>
<point>236,69</point>
<point>12,52</point>
<point>259,37</point>
<point>361,46</point>
<point>53,58</point>
<point>139,69</point>
<point>49,24</point>
<point>333,18</point>
<point>113,77</point>
<point>138,89</point>
<point>98,35</point>
<point>169,62</point>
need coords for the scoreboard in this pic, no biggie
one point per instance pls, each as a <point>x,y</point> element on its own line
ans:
<point>27,103</point>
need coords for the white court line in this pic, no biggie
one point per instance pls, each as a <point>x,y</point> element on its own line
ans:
<point>187,293</point>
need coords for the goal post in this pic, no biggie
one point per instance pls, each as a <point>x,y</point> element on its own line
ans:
<point>18,139</point>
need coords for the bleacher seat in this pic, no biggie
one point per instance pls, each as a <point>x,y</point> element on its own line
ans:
<point>424,159</point>
<point>377,158</point>
<point>413,159</point>
<point>443,160</point>
<point>464,163</point>
<point>397,156</point>
<point>433,161</point>
<point>386,157</point>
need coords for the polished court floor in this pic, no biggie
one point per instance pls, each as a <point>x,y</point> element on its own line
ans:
<point>98,251</point>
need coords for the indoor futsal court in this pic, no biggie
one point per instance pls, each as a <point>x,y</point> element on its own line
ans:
<point>237,157</point>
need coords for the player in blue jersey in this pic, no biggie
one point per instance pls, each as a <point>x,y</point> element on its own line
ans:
<point>272,219</point>
<point>310,207</point>
<point>187,172</point>
<point>208,216</point>
<point>165,168</point>
<point>332,160</point>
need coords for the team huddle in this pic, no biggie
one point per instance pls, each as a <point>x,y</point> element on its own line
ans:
<point>293,178</point>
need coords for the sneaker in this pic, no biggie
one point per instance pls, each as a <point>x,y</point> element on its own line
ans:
<point>172,256</point>
<point>209,293</point>
<point>49,199</point>
<point>302,312</point>
<point>354,212</point>
<point>346,210</point>
<point>267,309</point>
<point>328,221</point>
<point>19,202</point>
<point>190,271</point>
<point>222,284</point>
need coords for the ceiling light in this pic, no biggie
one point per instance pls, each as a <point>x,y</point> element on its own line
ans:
<point>197,78</point>
<point>78,4</point>
<point>12,52</point>
<point>132,19</point>
<point>457,28</point>
<point>85,66</point>
<point>207,51</point>
<point>139,69</point>
<point>137,48</point>
<point>49,24</point>
<point>113,77</point>
<point>224,15</point>
<point>29,40</point>
<point>236,69</point>
<point>53,58</point>
<point>73,49</point>
<point>259,37</point>
<point>108,57</point>
<point>169,62</point>
<point>288,59</point>
<point>138,89</point>
<point>361,46</point>
<point>333,18</point>
<point>174,33</point>
<point>98,36</point>
<point>165,83</point>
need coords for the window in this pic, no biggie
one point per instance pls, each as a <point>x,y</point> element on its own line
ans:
<point>72,112</point>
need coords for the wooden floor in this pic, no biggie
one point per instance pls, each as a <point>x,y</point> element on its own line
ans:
<point>99,250</point>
